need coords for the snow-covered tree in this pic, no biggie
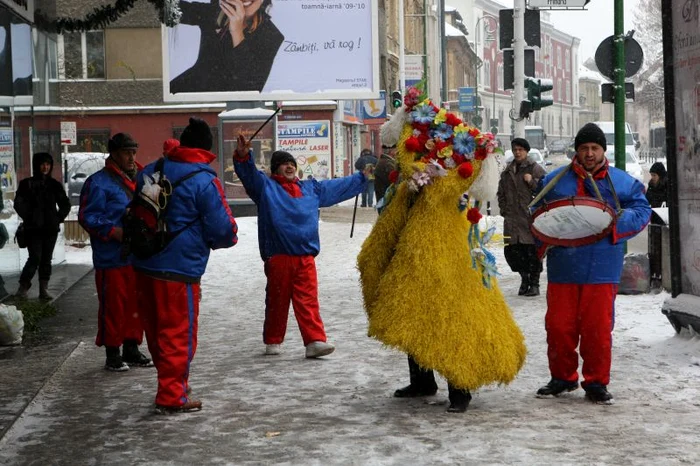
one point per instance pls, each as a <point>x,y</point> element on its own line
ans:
<point>649,82</point>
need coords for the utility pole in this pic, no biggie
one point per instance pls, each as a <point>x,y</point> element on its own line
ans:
<point>519,61</point>
<point>402,50</point>
<point>620,69</point>
<point>443,53</point>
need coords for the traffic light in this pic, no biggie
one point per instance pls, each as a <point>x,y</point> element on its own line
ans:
<point>396,99</point>
<point>535,87</point>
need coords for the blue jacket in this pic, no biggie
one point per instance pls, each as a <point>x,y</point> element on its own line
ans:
<point>198,209</point>
<point>600,262</point>
<point>286,224</point>
<point>103,201</point>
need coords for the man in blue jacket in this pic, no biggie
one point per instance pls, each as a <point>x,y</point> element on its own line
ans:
<point>289,241</point>
<point>583,280</point>
<point>103,201</point>
<point>200,220</point>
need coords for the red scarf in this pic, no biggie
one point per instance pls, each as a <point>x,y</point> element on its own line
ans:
<point>112,166</point>
<point>292,187</point>
<point>599,172</point>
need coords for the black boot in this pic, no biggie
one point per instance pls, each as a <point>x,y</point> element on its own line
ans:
<point>524,283</point>
<point>133,357</point>
<point>534,289</point>
<point>114,360</point>
<point>459,399</point>
<point>422,382</point>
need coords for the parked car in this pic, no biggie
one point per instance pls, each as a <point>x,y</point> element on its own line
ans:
<point>535,155</point>
<point>558,146</point>
<point>80,166</point>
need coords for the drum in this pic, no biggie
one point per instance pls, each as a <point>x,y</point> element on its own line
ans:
<point>575,221</point>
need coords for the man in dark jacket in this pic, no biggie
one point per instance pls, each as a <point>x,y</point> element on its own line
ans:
<point>168,283</point>
<point>657,192</point>
<point>42,204</point>
<point>103,202</point>
<point>515,191</point>
<point>367,158</point>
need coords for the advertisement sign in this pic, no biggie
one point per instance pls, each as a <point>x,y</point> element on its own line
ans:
<point>69,133</point>
<point>310,144</point>
<point>8,177</point>
<point>374,111</point>
<point>273,49</point>
<point>467,99</point>
<point>414,69</point>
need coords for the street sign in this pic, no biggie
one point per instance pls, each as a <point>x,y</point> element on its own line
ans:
<point>467,99</point>
<point>69,133</point>
<point>605,57</point>
<point>544,4</point>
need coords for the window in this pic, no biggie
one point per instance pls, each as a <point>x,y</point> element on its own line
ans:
<point>568,92</point>
<point>499,77</point>
<point>558,64</point>
<point>487,74</point>
<point>92,140</point>
<point>83,55</point>
<point>567,65</point>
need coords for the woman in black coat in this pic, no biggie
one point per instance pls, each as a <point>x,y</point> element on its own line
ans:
<point>42,204</point>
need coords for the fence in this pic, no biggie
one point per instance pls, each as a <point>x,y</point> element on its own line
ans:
<point>74,233</point>
<point>650,156</point>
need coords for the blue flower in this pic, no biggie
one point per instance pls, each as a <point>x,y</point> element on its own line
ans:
<point>423,114</point>
<point>443,131</point>
<point>464,143</point>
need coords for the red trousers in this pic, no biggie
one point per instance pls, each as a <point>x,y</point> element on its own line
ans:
<point>169,313</point>
<point>580,316</point>
<point>292,278</point>
<point>118,316</point>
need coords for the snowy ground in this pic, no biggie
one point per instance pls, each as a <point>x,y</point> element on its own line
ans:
<point>289,410</point>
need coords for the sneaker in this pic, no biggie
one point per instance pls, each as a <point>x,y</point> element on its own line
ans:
<point>189,407</point>
<point>137,359</point>
<point>414,391</point>
<point>316,349</point>
<point>556,387</point>
<point>273,349</point>
<point>598,394</point>
<point>116,364</point>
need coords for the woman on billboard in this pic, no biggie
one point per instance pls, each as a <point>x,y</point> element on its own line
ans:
<point>238,45</point>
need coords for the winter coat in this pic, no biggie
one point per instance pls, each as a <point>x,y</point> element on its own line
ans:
<point>197,209</point>
<point>286,224</point>
<point>382,170</point>
<point>363,161</point>
<point>103,202</point>
<point>41,201</point>
<point>600,262</point>
<point>657,194</point>
<point>514,196</point>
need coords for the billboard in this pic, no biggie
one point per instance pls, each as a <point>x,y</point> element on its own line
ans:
<point>310,144</point>
<point>226,50</point>
<point>16,70</point>
<point>8,176</point>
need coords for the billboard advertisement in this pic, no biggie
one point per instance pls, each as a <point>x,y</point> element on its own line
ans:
<point>16,71</point>
<point>310,144</point>
<point>8,181</point>
<point>226,50</point>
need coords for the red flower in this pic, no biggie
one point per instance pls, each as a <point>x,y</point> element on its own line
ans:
<point>473,215</point>
<point>480,153</point>
<point>413,144</point>
<point>440,144</point>
<point>465,170</point>
<point>452,120</point>
<point>458,158</point>
<point>393,176</point>
<point>474,132</point>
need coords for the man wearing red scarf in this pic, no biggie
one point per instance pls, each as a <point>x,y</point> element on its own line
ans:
<point>583,280</point>
<point>103,201</point>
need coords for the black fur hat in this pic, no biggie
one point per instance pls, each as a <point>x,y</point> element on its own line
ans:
<point>520,142</point>
<point>121,141</point>
<point>590,133</point>
<point>659,169</point>
<point>278,158</point>
<point>197,135</point>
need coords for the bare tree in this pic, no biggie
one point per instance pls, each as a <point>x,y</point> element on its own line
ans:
<point>649,82</point>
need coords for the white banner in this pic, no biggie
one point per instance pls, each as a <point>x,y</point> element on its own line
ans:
<point>310,144</point>
<point>272,49</point>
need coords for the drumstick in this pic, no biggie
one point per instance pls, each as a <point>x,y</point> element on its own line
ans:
<point>549,186</point>
<point>266,122</point>
<point>595,187</point>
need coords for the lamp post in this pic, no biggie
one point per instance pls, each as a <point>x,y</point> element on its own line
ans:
<point>479,63</point>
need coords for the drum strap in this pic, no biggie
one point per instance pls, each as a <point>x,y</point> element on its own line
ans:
<point>548,187</point>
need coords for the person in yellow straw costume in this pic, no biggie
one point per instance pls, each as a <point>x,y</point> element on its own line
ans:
<point>428,282</point>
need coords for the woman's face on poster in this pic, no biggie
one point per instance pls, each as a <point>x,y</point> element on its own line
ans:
<point>251,7</point>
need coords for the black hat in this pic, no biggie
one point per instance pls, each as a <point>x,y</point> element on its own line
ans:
<point>659,169</point>
<point>278,158</point>
<point>590,133</point>
<point>121,141</point>
<point>520,142</point>
<point>197,135</point>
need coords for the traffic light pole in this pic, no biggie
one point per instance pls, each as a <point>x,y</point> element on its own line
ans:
<point>620,69</point>
<point>519,61</point>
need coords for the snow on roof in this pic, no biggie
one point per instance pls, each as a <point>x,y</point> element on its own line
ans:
<point>452,31</point>
<point>585,73</point>
<point>246,112</point>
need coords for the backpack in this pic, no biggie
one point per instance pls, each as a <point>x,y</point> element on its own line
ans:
<point>144,223</point>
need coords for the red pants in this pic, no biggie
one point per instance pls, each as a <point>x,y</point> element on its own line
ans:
<point>292,278</point>
<point>118,316</point>
<point>580,316</point>
<point>169,313</point>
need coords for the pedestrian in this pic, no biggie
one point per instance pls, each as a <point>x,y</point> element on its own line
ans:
<point>382,171</point>
<point>515,192</point>
<point>583,280</point>
<point>657,191</point>
<point>288,211</point>
<point>199,219</point>
<point>103,202</point>
<point>42,204</point>
<point>367,160</point>
<point>4,238</point>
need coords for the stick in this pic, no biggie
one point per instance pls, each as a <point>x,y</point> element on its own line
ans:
<point>266,122</point>
<point>354,212</point>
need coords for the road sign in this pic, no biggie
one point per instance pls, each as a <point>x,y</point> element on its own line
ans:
<point>605,57</point>
<point>467,99</point>
<point>545,4</point>
<point>69,133</point>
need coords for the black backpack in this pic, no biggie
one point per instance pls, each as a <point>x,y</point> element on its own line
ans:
<point>144,223</point>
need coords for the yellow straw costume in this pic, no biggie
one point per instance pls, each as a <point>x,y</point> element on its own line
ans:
<point>421,291</point>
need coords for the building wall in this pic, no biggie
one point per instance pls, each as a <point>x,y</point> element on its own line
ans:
<point>134,53</point>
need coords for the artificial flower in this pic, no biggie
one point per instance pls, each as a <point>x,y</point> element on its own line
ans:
<point>442,131</point>
<point>440,117</point>
<point>464,143</point>
<point>412,144</point>
<point>473,215</point>
<point>423,113</point>
<point>394,176</point>
<point>465,170</point>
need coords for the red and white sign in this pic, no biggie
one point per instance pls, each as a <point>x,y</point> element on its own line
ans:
<point>69,133</point>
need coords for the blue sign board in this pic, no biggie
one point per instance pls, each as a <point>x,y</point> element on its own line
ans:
<point>467,99</point>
